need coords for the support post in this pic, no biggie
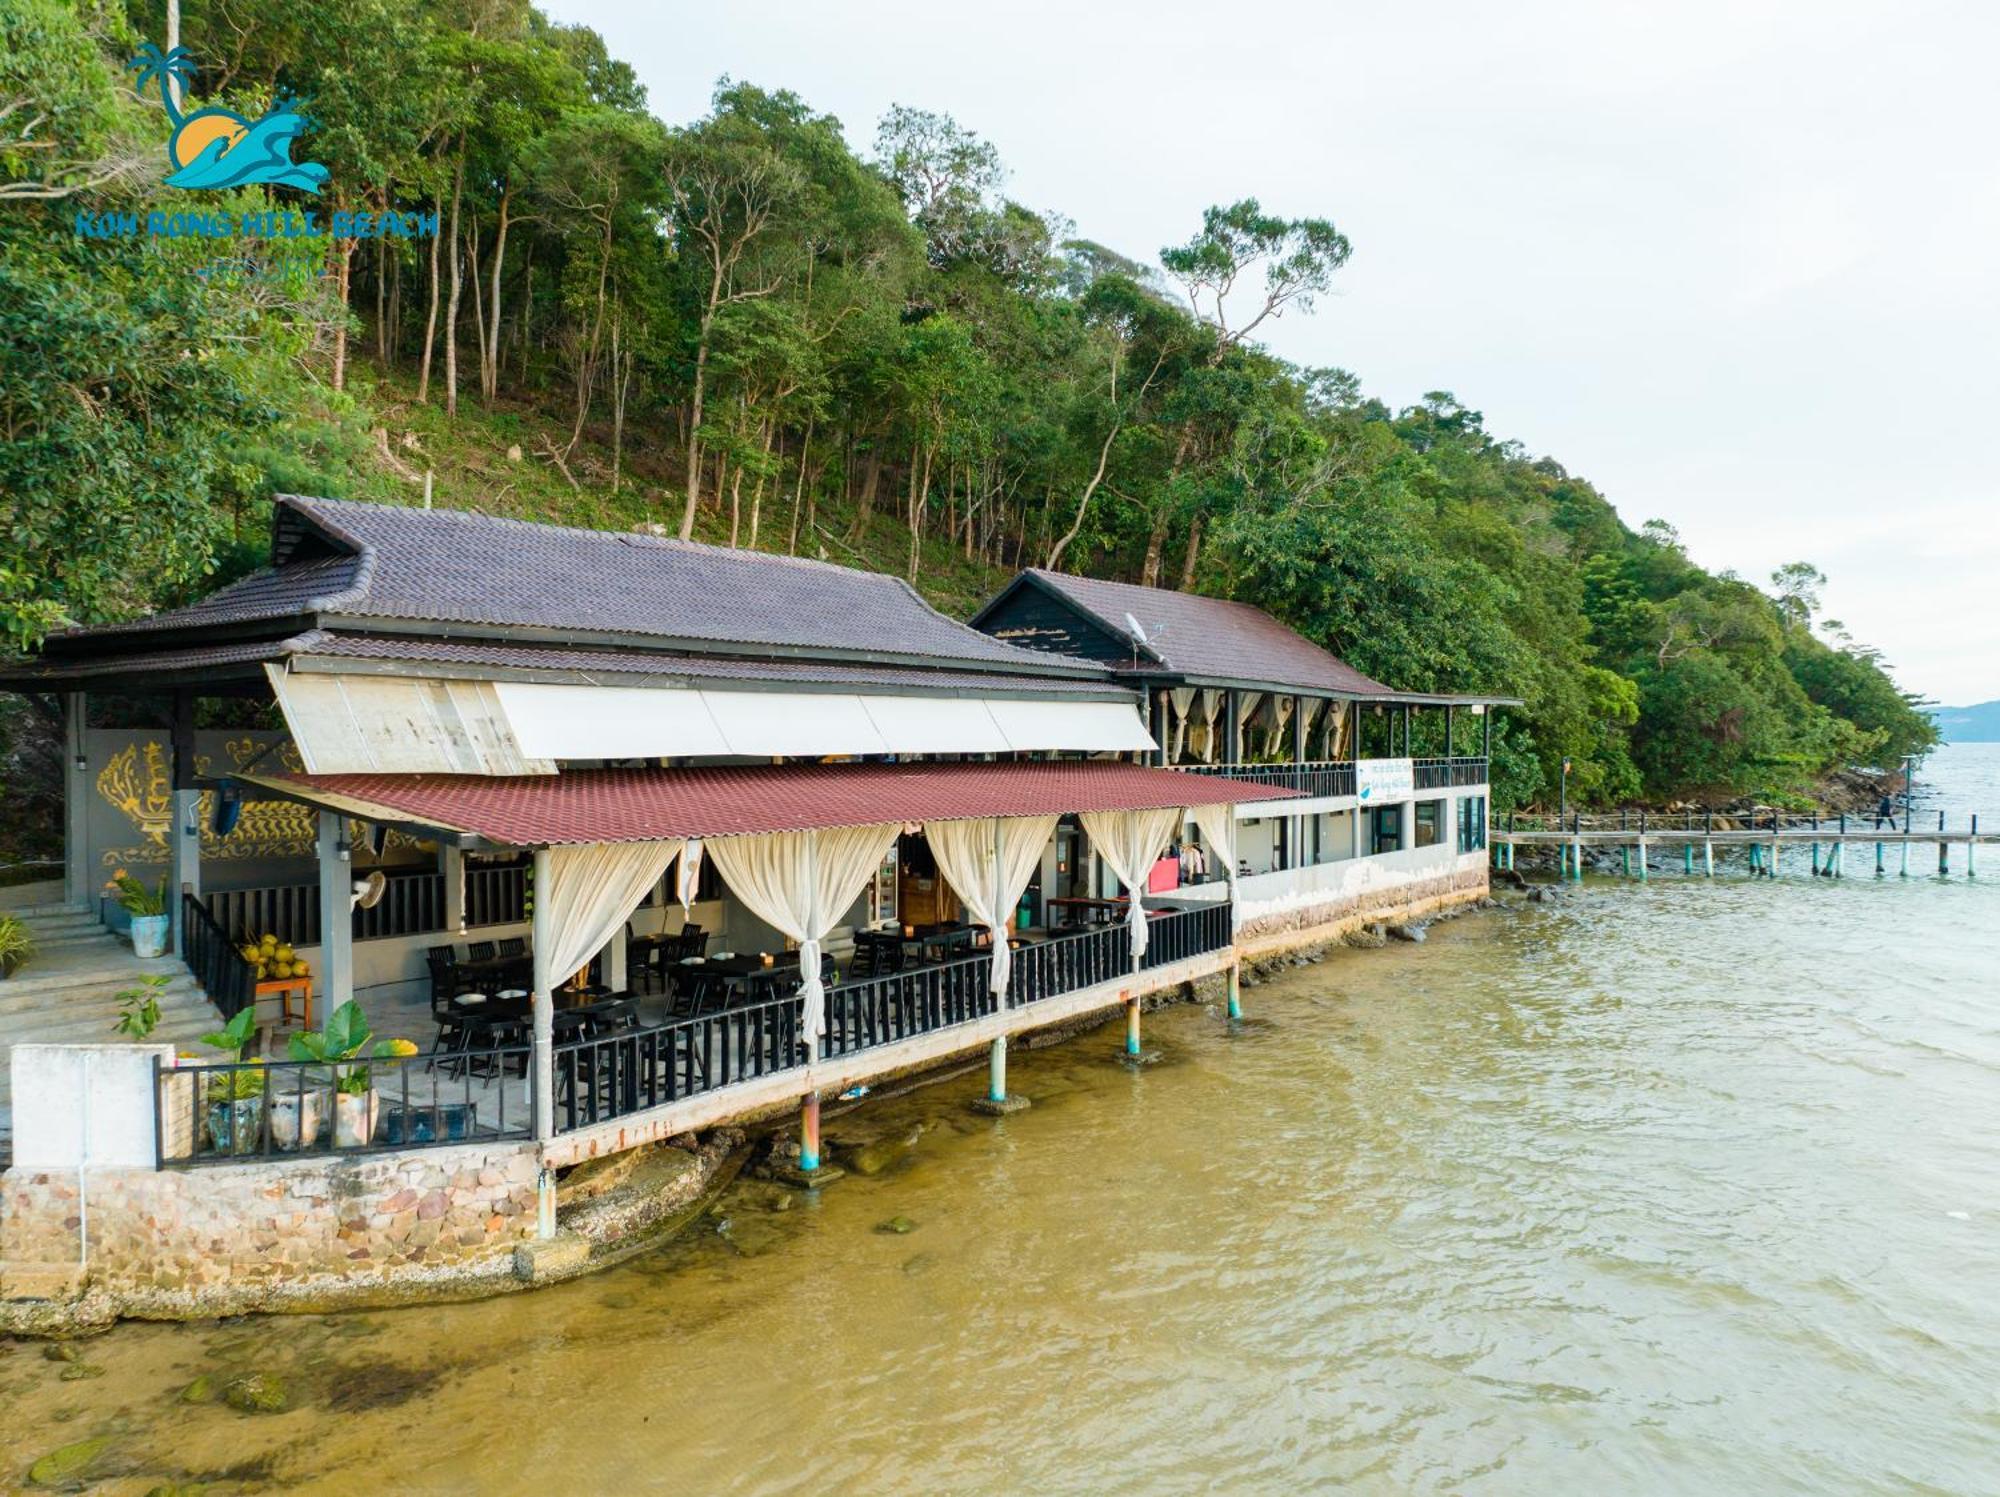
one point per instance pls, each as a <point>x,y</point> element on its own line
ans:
<point>541,1060</point>
<point>1879,870</point>
<point>1971,846</point>
<point>1944,850</point>
<point>1772,871</point>
<point>1906,849</point>
<point>809,1133</point>
<point>996,1070</point>
<point>452,861</point>
<point>1687,860</point>
<point>184,835</point>
<point>1235,981</point>
<point>1642,860</point>
<point>1625,856</point>
<point>1576,860</point>
<point>79,886</point>
<point>1132,1026</point>
<point>336,913</point>
<point>1708,857</point>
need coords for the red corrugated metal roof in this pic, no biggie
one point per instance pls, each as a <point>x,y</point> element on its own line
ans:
<point>636,805</point>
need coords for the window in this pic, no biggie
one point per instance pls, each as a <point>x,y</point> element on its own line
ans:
<point>1472,823</point>
<point>1430,822</point>
<point>1388,829</point>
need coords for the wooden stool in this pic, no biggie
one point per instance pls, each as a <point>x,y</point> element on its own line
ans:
<point>285,990</point>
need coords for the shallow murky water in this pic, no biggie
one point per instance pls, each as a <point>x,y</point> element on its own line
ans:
<point>1682,1188</point>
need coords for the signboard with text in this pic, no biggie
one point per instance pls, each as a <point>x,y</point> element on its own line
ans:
<point>1384,780</point>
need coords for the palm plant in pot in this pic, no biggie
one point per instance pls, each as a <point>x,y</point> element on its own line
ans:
<point>235,1098</point>
<point>148,909</point>
<point>341,1046</point>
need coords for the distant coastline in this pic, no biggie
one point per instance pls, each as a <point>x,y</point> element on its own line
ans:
<point>1976,724</point>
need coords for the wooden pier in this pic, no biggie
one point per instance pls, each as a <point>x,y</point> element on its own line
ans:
<point>1820,846</point>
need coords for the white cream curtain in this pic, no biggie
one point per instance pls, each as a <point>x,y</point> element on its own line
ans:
<point>1131,842</point>
<point>1211,708</point>
<point>802,883</point>
<point>1280,715</point>
<point>1218,830</point>
<point>584,898</point>
<point>1308,710</point>
<point>688,879</point>
<point>989,863</point>
<point>1182,698</point>
<point>1247,703</point>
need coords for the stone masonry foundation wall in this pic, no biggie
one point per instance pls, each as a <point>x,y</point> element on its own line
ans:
<point>229,1238</point>
<point>1311,924</point>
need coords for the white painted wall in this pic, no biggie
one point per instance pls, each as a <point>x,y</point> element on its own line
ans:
<point>85,1104</point>
<point>1280,893</point>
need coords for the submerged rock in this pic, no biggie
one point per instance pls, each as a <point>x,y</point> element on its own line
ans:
<point>67,1462</point>
<point>1414,934</point>
<point>59,1351</point>
<point>1367,937</point>
<point>76,1372</point>
<point>898,1225</point>
<point>255,1393</point>
<point>201,1390</point>
<point>880,1155</point>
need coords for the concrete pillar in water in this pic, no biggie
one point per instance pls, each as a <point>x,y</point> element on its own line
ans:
<point>1687,860</point>
<point>1235,990</point>
<point>1753,858</point>
<point>809,1133</point>
<point>1906,853</point>
<point>1132,1026</point>
<point>1625,855</point>
<point>1879,870</point>
<point>1971,863</point>
<point>1815,860</point>
<point>1708,857</point>
<point>1642,860</point>
<point>1576,860</point>
<point>998,1102</point>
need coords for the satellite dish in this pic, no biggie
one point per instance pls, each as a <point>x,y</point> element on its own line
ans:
<point>1138,629</point>
<point>368,891</point>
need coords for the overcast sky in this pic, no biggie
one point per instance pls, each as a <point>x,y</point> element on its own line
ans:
<point>1733,263</point>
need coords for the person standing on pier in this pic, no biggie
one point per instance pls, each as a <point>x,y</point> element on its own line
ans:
<point>1885,810</point>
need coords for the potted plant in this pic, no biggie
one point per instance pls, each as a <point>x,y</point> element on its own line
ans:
<point>340,1046</point>
<point>148,909</point>
<point>16,945</point>
<point>235,1098</point>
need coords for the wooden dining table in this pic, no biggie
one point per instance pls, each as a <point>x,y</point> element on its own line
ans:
<point>744,976</point>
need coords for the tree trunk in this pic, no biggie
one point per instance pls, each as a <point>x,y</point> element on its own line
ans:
<point>1193,554</point>
<point>871,482</point>
<point>451,308</point>
<point>431,324</point>
<point>694,412</point>
<point>525,328</point>
<point>489,369</point>
<point>798,492</point>
<point>395,309</point>
<point>342,251</point>
<point>382,301</point>
<point>478,298</point>
<point>1149,574</point>
<point>920,494</point>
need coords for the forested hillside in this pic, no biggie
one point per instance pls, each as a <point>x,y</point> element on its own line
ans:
<point>766,327</point>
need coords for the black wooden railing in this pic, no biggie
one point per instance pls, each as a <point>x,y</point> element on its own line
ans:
<point>1449,774</point>
<point>413,904</point>
<point>1186,933</point>
<point>228,980</point>
<point>619,1074</point>
<point>1315,777</point>
<point>231,1112</point>
<point>900,1005</point>
<point>496,896</point>
<point>601,1079</point>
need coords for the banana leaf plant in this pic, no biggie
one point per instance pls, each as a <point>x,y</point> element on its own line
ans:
<point>345,1038</point>
<point>230,1040</point>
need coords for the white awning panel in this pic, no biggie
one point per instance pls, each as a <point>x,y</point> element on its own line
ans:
<point>353,724</point>
<point>1074,727</point>
<point>346,724</point>
<point>801,724</point>
<point>936,725</point>
<point>610,722</point>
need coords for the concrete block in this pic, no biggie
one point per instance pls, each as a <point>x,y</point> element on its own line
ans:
<point>788,1173</point>
<point>1005,1107</point>
<point>547,1258</point>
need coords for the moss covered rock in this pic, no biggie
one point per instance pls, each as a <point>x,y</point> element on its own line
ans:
<point>67,1462</point>
<point>255,1393</point>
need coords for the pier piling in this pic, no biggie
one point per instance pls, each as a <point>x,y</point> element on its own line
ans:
<point>1132,1026</point>
<point>1236,977</point>
<point>809,1134</point>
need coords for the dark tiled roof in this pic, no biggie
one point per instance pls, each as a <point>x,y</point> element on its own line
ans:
<point>449,567</point>
<point>654,665</point>
<point>1191,635</point>
<point>52,671</point>
<point>638,805</point>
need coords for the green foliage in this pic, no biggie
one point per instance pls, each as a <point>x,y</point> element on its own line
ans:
<point>233,1036</point>
<point>742,329</point>
<point>139,1006</point>
<point>345,1038</point>
<point>17,946</point>
<point>134,897</point>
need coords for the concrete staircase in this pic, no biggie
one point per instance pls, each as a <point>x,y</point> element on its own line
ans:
<point>68,993</point>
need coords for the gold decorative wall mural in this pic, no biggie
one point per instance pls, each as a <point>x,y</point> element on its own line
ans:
<point>137,783</point>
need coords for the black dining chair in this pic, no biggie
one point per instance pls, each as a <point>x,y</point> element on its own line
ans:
<point>443,964</point>
<point>514,946</point>
<point>479,951</point>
